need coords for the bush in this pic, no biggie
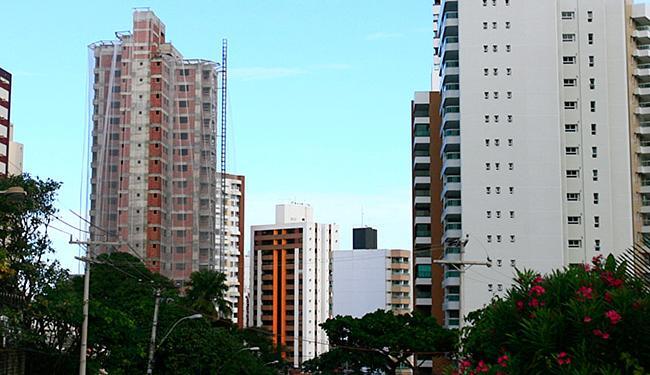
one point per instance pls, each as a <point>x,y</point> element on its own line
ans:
<point>588,319</point>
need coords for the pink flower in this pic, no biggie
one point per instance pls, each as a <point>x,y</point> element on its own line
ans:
<point>601,334</point>
<point>597,260</point>
<point>587,319</point>
<point>482,367</point>
<point>613,317</point>
<point>537,290</point>
<point>503,360</point>
<point>563,359</point>
<point>533,303</point>
<point>538,280</point>
<point>609,279</point>
<point>520,305</point>
<point>608,296</point>
<point>584,293</point>
<point>587,267</point>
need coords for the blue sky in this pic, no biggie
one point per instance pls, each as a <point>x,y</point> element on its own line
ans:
<point>319,98</point>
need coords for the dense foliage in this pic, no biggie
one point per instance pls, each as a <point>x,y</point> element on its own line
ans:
<point>380,342</point>
<point>591,319</point>
<point>43,304</point>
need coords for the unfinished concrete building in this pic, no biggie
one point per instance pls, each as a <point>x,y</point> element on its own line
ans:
<point>154,177</point>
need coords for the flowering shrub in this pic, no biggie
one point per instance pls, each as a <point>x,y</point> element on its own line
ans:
<point>592,319</point>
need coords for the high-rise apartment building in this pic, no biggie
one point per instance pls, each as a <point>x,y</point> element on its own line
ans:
<point>364,280</point>
<point>234,245</point>
<point>291,280</point>
<point>15,156</point>
<point>534,141</point>
<point>427,206</point>
<point>639,93</point>
<point>154,178</point>
<point>5,118</point>
<point>364,238</point>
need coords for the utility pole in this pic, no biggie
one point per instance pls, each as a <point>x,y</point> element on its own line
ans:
<point>84,327</point>
<point>152,343</point>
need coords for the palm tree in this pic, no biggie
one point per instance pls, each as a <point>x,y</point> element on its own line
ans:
<point>207,293</point>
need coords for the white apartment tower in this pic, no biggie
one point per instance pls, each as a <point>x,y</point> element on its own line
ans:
<point>538,92</point>
<point>291,281</point>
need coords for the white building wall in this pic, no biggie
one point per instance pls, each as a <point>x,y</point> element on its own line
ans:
<point>361,280</point>
<point>524,66</point>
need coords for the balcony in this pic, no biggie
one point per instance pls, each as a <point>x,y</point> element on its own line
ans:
<point>452,209</point>
<point>422,260</point>
<point>421,161</point>
<point>645,229</point>
<point>451,281</point>
<point>450,117</point>
<point>641,35</point>
<point>451,140</point>
<point>449,49</point>
<point>641,53</point>
<point>643,92</point>
<point>423,301</point>
<point>644,147</point>
<point>643,110</point>
<point>448,5</point>
<point>451,163</point>
<point>449,25</point>
<point>450,72</point>
<point>422,281</point>
<point>423,240</point>
<point>426,200</point>
<point>644,128</point>
<point>452,230</point>
<point>642,72</point>
<point>451,187</point>
<point>421,180</point>
<point>422,220</point>
<point>421,140</point>
<point>451,305</point>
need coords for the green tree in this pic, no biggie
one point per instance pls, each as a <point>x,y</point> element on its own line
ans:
<point>590,319</point>
<point>380,341</point>
<point>206,293</point>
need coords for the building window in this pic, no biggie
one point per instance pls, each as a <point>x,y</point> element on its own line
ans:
<point>570,128</point>
<point>592,106</point>
<point>511,189</point>
<point>510,142</point>
<point>495,48</point>
<point>507,24</point>
<point>594,152</point>
<point>487,118</point>
<point>486,95</point>
<point>594,174</point>
<point>485,71</point>
<point>489,238</point>
<point>592,83</point>
<point>494,25</point>
<point>509,118</point>
<point>590,16</point>
<point>497,189</point>
<point>485,48</point>
<point>570,82</point>
<point>593,129</point>
<point>573,197</point>
<point>511,166</point>
<point>590,38</point>
<point>573,220</point>
<point>509,94</point>
<point>508,48</point>
<point>488,214</point>
<point>495,71</point>
<point>496,142</point>
<point>568,37</point>
<point>596,198</point>
<point>575,243</point>
<point>508,71</point>
<point>485,24</point>
<point>570,105</point>
<point>572,173</point>
<point>591,61</point>
<point>568,60</point>
<point>571,150</point>
<point>487,166</point>
<point>597,245</point>
<point>495,95</point>
<point>568,15</point>
<point>498,238</point>
<point>487,190</point>
<point>596,221</point>
<point>512,214</point>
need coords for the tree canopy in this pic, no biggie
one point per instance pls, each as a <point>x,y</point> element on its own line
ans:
<point>380,341</point>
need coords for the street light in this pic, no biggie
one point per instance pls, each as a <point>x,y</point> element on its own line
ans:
<point>251,349</point>
<point>15,193</point>
<point>153,350</point>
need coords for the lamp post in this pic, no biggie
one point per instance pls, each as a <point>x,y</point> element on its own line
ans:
<point>14,193</point>
<point>153,346</point>
<point>230,358</point>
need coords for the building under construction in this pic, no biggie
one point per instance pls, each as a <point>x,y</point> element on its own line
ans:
<point>154,179</point>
